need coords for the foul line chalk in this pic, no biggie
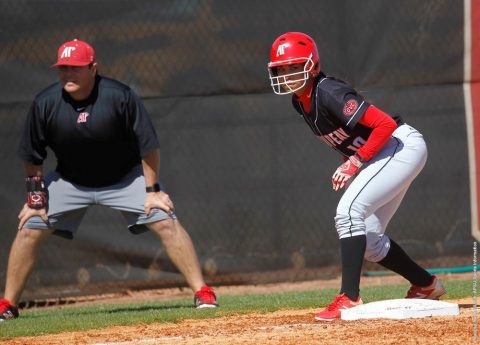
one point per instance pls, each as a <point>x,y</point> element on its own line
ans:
<point>141,341</point>
<point>284,326</point>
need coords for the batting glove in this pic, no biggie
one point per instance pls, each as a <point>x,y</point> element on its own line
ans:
<point>345,171</point>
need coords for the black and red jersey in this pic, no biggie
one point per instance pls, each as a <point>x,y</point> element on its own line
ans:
<point>335,113</point>
<point>96,141</point>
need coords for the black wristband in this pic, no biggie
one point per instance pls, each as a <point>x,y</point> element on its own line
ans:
<point>35,184</point>
<point>153,189</point>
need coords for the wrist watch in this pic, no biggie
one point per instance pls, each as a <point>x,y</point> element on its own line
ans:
<point>153,189</point>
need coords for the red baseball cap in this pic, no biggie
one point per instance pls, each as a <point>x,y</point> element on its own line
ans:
<point>75,53</point>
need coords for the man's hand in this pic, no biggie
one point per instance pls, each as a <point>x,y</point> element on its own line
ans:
<point>27,212</point>
<point>158,200</point>
<point>345,171</point>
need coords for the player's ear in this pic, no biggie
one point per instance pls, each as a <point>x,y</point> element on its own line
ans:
<point>93,67</point>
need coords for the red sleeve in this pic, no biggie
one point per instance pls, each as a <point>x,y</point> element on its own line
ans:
<point>383,127</point>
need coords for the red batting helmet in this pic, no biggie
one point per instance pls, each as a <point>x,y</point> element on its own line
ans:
<point>289,49</point>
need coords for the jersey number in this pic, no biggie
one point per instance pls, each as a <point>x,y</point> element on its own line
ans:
<point>356,144</point>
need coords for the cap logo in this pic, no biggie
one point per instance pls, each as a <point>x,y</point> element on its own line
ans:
<point>67,52</point>
<point>281,49</point>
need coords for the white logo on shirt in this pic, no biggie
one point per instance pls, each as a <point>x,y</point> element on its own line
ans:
<point>82,117</point>
<point>338,136</point>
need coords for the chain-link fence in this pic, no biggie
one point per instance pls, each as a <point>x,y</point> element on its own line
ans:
<point>250,182</point>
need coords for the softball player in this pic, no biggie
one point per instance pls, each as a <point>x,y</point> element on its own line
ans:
<point>107,154</point>
<point>383,153</point>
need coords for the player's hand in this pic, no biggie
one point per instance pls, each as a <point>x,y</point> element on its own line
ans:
<point>158,200</point>
<point>27,212</point>
<point>345,172</point>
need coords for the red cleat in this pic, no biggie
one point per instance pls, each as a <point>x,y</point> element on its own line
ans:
<point>334,310</point>
<point>433,291</point>
<point>7,310</point>
<point>205,298</point>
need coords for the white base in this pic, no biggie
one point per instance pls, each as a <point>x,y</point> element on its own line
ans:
<point>400,309</point>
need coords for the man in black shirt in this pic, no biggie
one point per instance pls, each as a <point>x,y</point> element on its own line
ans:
<point>108,154</point>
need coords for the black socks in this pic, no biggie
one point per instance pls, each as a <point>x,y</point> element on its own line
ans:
<point>399,262</point>
<point>352,250</point>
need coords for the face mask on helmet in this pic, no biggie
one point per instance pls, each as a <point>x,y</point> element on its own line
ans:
<point>292,49</point>
<point>285,83</point>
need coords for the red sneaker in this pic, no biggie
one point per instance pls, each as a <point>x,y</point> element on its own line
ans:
<point>334,310</point>
<point>7,310</point>
<point>433,291</point>
<point>205,298</point>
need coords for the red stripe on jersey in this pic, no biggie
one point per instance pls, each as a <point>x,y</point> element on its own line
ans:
<point>383,127</point>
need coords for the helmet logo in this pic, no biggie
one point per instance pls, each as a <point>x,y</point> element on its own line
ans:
<point>281,49</point>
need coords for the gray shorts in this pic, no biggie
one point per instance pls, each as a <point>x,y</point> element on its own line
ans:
<point>69,202</point>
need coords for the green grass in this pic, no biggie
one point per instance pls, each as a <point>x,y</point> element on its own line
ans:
<point>71,318</point>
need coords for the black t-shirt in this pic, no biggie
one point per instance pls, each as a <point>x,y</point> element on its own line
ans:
<point>96,141</point>
<point>334,114</point>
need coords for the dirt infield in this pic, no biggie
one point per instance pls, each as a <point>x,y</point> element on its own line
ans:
<point>282,327</point>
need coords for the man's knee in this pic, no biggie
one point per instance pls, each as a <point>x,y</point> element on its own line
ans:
<point>163,228</point>
<point>377,247</point>
<point>348,225</point>
<point>32,235</point>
